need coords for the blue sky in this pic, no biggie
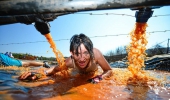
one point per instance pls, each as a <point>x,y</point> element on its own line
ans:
<point>64,27</point>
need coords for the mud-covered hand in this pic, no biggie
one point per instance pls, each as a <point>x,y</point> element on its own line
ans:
<point>95,79</point>
<point>42,26</point>
<point>30,76</point>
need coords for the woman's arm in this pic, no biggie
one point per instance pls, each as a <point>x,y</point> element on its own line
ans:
<point>68,64</point>
<point>52,70</point>
<point>31,74</point>
<point>107,70</point>
<point>49,71</point>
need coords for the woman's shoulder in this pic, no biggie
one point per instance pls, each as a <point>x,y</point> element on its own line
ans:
<point>97,54</point>
<point>96,51</point>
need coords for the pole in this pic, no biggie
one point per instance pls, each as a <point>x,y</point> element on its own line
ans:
<point>168,46</point>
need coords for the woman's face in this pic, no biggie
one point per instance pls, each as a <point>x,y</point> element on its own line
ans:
<point>82,58</point>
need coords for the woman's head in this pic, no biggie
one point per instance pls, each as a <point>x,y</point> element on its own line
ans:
<point>81,47</point>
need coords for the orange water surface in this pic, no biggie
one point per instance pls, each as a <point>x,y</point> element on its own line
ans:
<point>76,87</point>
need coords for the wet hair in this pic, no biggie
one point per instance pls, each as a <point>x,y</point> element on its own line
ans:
<point>76,40</point>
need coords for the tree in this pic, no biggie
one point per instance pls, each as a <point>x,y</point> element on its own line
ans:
<point>156,50</point>
<point>120,50</point>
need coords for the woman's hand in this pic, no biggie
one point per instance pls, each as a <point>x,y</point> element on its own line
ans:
<point>95,79</point>
<point>98,78</point>
<point>30,76</point>
<point>107,74</point>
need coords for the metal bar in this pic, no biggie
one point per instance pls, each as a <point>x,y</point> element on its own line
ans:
<point>22,7</point>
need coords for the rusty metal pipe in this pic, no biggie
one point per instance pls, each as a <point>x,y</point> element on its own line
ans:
<point>22,7</point>
<point>26,11</point>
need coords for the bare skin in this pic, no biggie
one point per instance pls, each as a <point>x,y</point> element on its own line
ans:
<point>82,62</point>
<point>32,63</point>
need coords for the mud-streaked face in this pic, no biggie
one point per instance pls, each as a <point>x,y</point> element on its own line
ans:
<point>82,58</point>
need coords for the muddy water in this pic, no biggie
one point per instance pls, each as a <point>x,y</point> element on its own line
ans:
<point>76,87</point>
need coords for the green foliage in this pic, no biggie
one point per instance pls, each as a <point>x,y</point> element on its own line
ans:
<point>22,56</point>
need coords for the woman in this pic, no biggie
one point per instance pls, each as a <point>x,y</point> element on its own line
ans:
<point>83,57</point>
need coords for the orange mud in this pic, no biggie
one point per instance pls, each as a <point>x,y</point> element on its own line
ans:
<point>137,55</point>
<point>59,56</point>
<point>136,51</point>
<point>77,87</point>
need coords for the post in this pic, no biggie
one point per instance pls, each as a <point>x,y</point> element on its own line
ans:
<point>168,46</point>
